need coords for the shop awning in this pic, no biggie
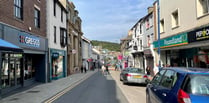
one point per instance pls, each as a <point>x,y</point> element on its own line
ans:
<point>7,46</point>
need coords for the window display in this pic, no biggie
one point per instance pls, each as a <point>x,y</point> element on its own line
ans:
<point>11,70</point>
<point>57,66</point>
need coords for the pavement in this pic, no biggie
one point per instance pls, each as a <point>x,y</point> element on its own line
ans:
<point>48,92</point>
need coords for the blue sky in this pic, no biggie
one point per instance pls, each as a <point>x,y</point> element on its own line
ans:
<point>110,20</point>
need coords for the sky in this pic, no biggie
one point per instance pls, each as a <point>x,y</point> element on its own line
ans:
<point>110,20</point>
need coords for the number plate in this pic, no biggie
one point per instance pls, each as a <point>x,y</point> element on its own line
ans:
<point>137,76</point>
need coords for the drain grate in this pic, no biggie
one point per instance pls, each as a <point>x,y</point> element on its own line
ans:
<point>33,91</point>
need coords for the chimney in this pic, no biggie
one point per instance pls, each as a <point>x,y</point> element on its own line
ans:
<point>150,9</point>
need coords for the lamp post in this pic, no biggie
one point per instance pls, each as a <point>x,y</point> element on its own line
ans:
<point>158,21</point>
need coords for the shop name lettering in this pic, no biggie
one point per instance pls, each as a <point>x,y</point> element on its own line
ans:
<point>203,34</point>
<point>173,41</point>
<point>30,41</point>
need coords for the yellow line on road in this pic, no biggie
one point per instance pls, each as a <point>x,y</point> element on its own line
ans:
<point>53,98</point>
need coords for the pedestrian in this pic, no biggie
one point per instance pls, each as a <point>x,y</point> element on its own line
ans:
<point>83,66</point>
<point>107,70</point>
<point>148,70</point>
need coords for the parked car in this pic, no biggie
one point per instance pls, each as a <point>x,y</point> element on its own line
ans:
<point>133,75</point>
<point>179,85</point>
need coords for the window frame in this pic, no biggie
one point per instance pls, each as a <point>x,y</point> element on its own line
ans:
<point>37,18</point>
<point>175,22</point>
<point>18,8</point>
<point>55,34</point>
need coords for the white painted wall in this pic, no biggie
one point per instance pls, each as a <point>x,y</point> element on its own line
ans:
<point>54,21</point>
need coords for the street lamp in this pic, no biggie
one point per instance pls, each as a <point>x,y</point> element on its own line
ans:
<point>158,20</point>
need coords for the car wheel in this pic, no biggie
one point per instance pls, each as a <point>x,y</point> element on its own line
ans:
<point>124,82</point>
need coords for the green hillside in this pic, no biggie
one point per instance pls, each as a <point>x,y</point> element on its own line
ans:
<point>107,45</point>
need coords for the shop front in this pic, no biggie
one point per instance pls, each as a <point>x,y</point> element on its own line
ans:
<point>21,69</point>
<point>171,55</point>
<point>57,64</point>
<point>199,39</point>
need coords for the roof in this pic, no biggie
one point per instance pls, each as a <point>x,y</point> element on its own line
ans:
<point>189,69</point>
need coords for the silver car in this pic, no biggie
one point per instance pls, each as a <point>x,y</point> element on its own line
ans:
<point>133,75</point>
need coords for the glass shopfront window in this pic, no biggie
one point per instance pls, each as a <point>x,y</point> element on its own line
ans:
<point>29,71</point>
<point>11,70</point>
<point>57,66</point>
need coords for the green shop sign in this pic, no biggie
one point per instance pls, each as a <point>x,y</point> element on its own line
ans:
<point>176,40</point>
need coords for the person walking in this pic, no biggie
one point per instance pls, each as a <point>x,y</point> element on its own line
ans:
<point>83,66</point>
<point>107,69</point>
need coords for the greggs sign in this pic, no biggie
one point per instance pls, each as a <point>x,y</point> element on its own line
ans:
<point>29,40</point>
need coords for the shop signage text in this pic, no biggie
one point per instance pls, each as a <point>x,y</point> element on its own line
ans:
<point>199,34</point>
<point>29,40</point>
<point>176,40</point>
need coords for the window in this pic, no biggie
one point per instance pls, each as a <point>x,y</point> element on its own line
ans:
<point>55,34</point>
<point>37,18</point>
<point>54,7</point>
<point>169,79</point>
<point>157,78</point>
<point>147,24</point>
<point>140,28</point>
<point>63,37</point>
<point>175,19</point>
<point>61,15</point>
<point>162,26</point>
<point>202,7</point>
<point>18,9</point>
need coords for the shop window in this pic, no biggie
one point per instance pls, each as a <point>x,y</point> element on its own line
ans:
<point>57,66</point>
<point>29,71</point>
<point>11,70</point>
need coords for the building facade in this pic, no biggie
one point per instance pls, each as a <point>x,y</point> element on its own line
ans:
<point>57,38</point>
<point>22,24</point>
<point>86,51</point>
<point>184,33</point>
<point>74,38</point>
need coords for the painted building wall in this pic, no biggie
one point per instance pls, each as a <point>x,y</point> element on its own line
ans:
<point>188,11</point>
<point>55,21</point>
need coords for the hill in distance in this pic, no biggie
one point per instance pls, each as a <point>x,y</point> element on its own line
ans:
<point>107,45</point>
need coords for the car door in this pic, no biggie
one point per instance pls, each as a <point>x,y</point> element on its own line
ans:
<point>152,87</point>
<point>166,87</point>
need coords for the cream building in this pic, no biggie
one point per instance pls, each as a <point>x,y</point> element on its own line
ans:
<point>184,33</point>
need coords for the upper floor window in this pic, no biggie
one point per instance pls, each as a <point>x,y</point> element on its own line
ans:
<point>54,6</point>
<point>55,34</point>
<point>202,7</point>
<point>62,15</point>
<point>37,18</point>
<point>63,37</point>
<point>162,26</point>
<point>175,19</point>
<point>18,9</point>
<point>147,24</point>
<point>140,28</point>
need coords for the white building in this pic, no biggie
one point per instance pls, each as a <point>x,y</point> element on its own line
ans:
<point>57,38</point>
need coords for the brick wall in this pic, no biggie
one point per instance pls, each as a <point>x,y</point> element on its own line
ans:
<point>7,15</point>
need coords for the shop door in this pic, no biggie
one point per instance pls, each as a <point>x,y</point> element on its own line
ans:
<point>11,70</point>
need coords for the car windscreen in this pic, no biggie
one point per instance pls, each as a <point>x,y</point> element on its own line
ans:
<point>135,70</point>
<point>197,84</point>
